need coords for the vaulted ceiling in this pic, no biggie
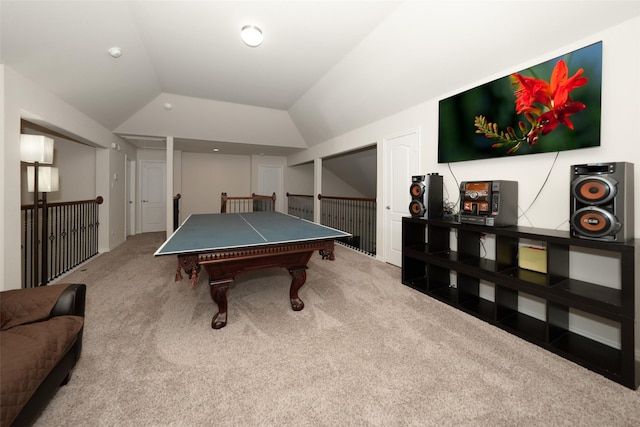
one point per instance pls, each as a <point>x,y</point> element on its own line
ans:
<point>330,66</point>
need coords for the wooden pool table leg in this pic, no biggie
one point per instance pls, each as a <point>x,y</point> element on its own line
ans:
<point>190,265</point>
<point>299,276</point>
<point>218,289</point>
<point>327,253</point>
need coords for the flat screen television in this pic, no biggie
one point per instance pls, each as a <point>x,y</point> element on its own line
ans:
<point>552,106</point>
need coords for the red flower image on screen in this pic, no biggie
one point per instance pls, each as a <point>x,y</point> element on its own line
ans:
<point>545,106</point>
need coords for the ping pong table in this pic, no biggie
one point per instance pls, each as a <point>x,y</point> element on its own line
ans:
<point>233,243</point>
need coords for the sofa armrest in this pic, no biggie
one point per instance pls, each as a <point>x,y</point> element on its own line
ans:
<point>71,301</point>
<point>22,306</point>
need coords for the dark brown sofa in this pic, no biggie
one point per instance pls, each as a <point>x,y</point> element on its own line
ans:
<point>41,340</point>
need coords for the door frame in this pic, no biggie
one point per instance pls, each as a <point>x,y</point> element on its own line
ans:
<point>130,197</point>
<point>139,218</point>
<point>388,191</point>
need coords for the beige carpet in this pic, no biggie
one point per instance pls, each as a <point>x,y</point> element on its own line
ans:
<point>366,350</point>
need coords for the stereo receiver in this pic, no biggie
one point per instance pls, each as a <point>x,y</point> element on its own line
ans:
<point>492,203</point>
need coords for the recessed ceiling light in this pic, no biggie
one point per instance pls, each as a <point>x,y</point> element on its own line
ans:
<point>251,35</point>
<point>215,150</point>
<point>167,106</point>
<point>115,51</point>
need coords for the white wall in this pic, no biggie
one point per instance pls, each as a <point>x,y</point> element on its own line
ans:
<point>151,154</point>
<point>207,120</point>
<point>76,165</point>
<point>620,113</point>
<point>332,185</point>
<point>206,176</point>
<point>299,179</point>
<point>424,48</point>
<point>25,99</point>
<point>199,170</point>
<point>619,142</point>
<point>3,245</point>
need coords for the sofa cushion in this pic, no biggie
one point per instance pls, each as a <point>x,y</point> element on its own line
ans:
<point>29,352</point>
<point>21,306</point>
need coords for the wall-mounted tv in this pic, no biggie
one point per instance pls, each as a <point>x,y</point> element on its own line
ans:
<point>552,106</point>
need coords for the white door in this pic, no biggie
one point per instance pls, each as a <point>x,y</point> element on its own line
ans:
<point>400,163</point>
<point>270,181</point>
<point>153,197</point>
<point>130,196</point>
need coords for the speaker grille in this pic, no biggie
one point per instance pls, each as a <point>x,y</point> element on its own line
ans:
<point>595,222</point>
<point>594,190</point>
<point>416,189</point>
<point>416,208</point>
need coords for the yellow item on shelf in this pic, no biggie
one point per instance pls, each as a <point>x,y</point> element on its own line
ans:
<point>533,258</point>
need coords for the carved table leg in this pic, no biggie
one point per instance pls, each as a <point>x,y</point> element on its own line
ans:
<point>299,276</point>
<point>327,251</point>
<point>194,276</point>
<point>218,289</point>
<point>190,265</point>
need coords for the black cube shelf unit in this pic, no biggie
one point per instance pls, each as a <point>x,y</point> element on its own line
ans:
<point>428,265</point>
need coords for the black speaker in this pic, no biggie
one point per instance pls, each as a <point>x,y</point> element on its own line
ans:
<point>426,196</point>
<point>602,201</point>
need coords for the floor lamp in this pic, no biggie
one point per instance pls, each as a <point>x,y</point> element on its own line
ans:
<point>47,182</point>
<point>36,150</point>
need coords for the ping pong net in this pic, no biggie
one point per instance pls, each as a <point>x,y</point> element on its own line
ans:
<point>253,203</point>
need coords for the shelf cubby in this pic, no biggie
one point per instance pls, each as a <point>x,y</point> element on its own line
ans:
<point>590,354</point>
<point>525,326</point>
<point>530,276</point>
<point>470,299</point>
<point>455,271</point>
<point>582,350</point>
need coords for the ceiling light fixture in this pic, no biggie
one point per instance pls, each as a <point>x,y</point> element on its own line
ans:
<point>251,35</point>
<point>115,52</point>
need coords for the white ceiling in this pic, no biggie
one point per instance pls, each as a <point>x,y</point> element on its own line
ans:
<point>180,47</point>
<point>332,65</point>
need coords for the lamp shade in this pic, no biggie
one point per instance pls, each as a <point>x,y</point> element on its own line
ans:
<point>48,179</point>
<point>36,148</point>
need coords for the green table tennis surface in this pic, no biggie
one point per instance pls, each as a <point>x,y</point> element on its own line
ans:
<point>210,232</point>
